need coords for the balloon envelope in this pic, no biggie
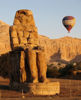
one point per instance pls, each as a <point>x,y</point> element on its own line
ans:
<point>69,22</point>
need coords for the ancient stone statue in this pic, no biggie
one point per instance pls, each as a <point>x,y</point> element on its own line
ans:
<point>24,38</point>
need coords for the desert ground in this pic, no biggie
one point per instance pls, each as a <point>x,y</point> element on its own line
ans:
<point>69,90</point>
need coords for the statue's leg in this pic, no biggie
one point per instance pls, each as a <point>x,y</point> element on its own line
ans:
<point>32,65</point>
<point>42,67</point>
<point>22,67</point>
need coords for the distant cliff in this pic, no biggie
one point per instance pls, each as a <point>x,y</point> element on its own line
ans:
<point>64,49</point>
<point>4,38</point>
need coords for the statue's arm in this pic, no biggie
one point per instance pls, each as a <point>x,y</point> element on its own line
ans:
<point>14,38</point>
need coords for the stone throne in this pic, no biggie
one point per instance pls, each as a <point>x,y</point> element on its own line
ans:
<point>32,64</point>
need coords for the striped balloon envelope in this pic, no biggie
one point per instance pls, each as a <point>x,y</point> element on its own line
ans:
<point>69,22</point>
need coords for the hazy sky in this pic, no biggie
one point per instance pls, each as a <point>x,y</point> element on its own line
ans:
<point>48,15</point>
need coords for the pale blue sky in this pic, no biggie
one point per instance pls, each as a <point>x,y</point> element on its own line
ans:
<point>48,15</point>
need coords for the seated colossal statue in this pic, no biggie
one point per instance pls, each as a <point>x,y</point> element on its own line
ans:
<point>24,38</point>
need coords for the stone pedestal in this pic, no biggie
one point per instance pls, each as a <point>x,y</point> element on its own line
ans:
<point>50,88</point>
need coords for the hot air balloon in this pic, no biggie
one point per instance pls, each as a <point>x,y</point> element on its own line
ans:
<point>68,22</point>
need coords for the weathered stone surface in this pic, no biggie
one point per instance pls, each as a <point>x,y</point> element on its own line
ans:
<point>50,88</point>
<point>24,17</point>
<point>32,64</point>
<point>23,30</point>
<point>42,66</point>
<point>24,38</point>
<point>22,67</point>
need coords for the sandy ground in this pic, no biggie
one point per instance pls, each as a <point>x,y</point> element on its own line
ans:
<point>70,90</point>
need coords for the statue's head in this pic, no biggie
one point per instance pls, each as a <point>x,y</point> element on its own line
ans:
<point>24,31</point>
<point>24,17</point>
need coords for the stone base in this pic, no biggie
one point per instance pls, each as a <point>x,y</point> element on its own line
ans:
<point>50,88</point>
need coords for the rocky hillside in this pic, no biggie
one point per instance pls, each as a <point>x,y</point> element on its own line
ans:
<point>4,38</point>
<point>64,49</point>
<point>59,50</point>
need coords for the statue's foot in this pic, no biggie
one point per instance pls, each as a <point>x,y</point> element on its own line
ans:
<point>35,81</point>
<point>46,81</point>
